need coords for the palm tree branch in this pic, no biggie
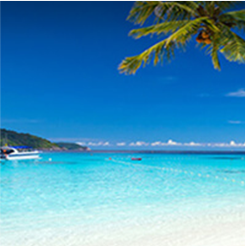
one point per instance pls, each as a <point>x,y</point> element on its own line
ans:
<point>189,3</point>
<point>213,51</point>
<point>142,10</point>
<point>171,11</point>
<point>234,19</point>
<point>233,46</point>
<point>164,27</point>
<point>237,15</point>
<point>186,31</point>
<point>222,5</point>
<point>131,64</point>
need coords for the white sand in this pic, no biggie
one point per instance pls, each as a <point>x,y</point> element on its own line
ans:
<point>214,229</point>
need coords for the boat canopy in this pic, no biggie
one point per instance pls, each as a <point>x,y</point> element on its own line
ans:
<point>20,147</point>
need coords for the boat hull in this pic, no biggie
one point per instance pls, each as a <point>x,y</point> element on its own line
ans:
<point>20,156</point>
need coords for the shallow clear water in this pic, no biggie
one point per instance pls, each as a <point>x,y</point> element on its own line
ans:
<point>71,189</point>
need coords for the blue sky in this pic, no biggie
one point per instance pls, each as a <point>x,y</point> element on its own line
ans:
<point>60,81</point>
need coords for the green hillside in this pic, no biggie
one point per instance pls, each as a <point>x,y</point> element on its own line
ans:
<point>13,138</point>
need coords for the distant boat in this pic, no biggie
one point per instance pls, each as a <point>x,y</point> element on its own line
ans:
<point>136,159</point>
<point>18,153</point>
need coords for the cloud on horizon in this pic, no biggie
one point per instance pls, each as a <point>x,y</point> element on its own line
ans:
<point>239,93</point>
<point>169,143</point>
<point>121,144</point>
<point>101,143</point>
<point>139,143</point>
<point>235,122</point>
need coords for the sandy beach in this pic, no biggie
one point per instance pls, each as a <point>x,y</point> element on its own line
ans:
<point>212,229</point>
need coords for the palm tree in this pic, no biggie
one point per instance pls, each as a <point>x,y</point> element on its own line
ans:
<point>213,26</point>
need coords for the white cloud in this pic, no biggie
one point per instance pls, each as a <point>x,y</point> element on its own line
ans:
<point>81,143</point>
<point>239,93</point>
<point>218,145</point>
<point>236,122</point>
<point>93,144</point>
<point>121,144</point>
<point>194,144</point>
<point>98,143</point>
<point>171,142</point>
<point>158,143</point>
<point>139,143</point>
<point>231,144</point>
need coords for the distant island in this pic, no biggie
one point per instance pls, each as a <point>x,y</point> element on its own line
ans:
<point>12,138</point>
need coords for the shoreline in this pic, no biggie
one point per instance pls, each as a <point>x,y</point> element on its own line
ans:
<point>213,229</point>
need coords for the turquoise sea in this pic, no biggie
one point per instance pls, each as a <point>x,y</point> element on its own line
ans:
<point>108,199</point>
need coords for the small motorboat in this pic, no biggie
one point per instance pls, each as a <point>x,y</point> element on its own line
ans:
<point>18,153</point>
<point>136,159</point>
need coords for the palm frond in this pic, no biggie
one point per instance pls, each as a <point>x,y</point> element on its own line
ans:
<point>177,10</point>
<point>233,46</point>
<point>216,29</point>
<point>236,15</point>
<point>161,28</point>
<point>215,58</point>
<point>185,32</point>
<point>131,64</point>
<point>211,25</point>
<point>213,50</point>
<point>142,10</point>
<point>234,19</point>
<point>190,3</point>
<point>223,5</point>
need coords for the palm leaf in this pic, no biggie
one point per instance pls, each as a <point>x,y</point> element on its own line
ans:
<point>222,5</point>
<point>176,10</point>
<point>185,32</point>
<point>165,27</point>
<point>142,10</point>
<point>131,64</point>
<point>235,15</point>
<point>234,19</point>
<point>190,3</point>
<point>213,50</point>
<point>233,46</point>
<point>182,20</point>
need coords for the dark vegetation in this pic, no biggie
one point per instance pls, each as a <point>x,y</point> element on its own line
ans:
<point>12,138</point>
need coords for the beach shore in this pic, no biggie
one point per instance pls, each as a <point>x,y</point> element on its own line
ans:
<point>213,229</point>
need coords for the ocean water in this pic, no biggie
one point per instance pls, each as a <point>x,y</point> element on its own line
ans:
<point>94,199</point>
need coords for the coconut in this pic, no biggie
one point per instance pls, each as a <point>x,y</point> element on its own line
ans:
<point>199,40</point>
<point>205,35</point>
<point>207,41</point>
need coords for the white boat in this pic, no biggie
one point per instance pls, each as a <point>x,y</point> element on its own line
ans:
<point>18,153</point>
